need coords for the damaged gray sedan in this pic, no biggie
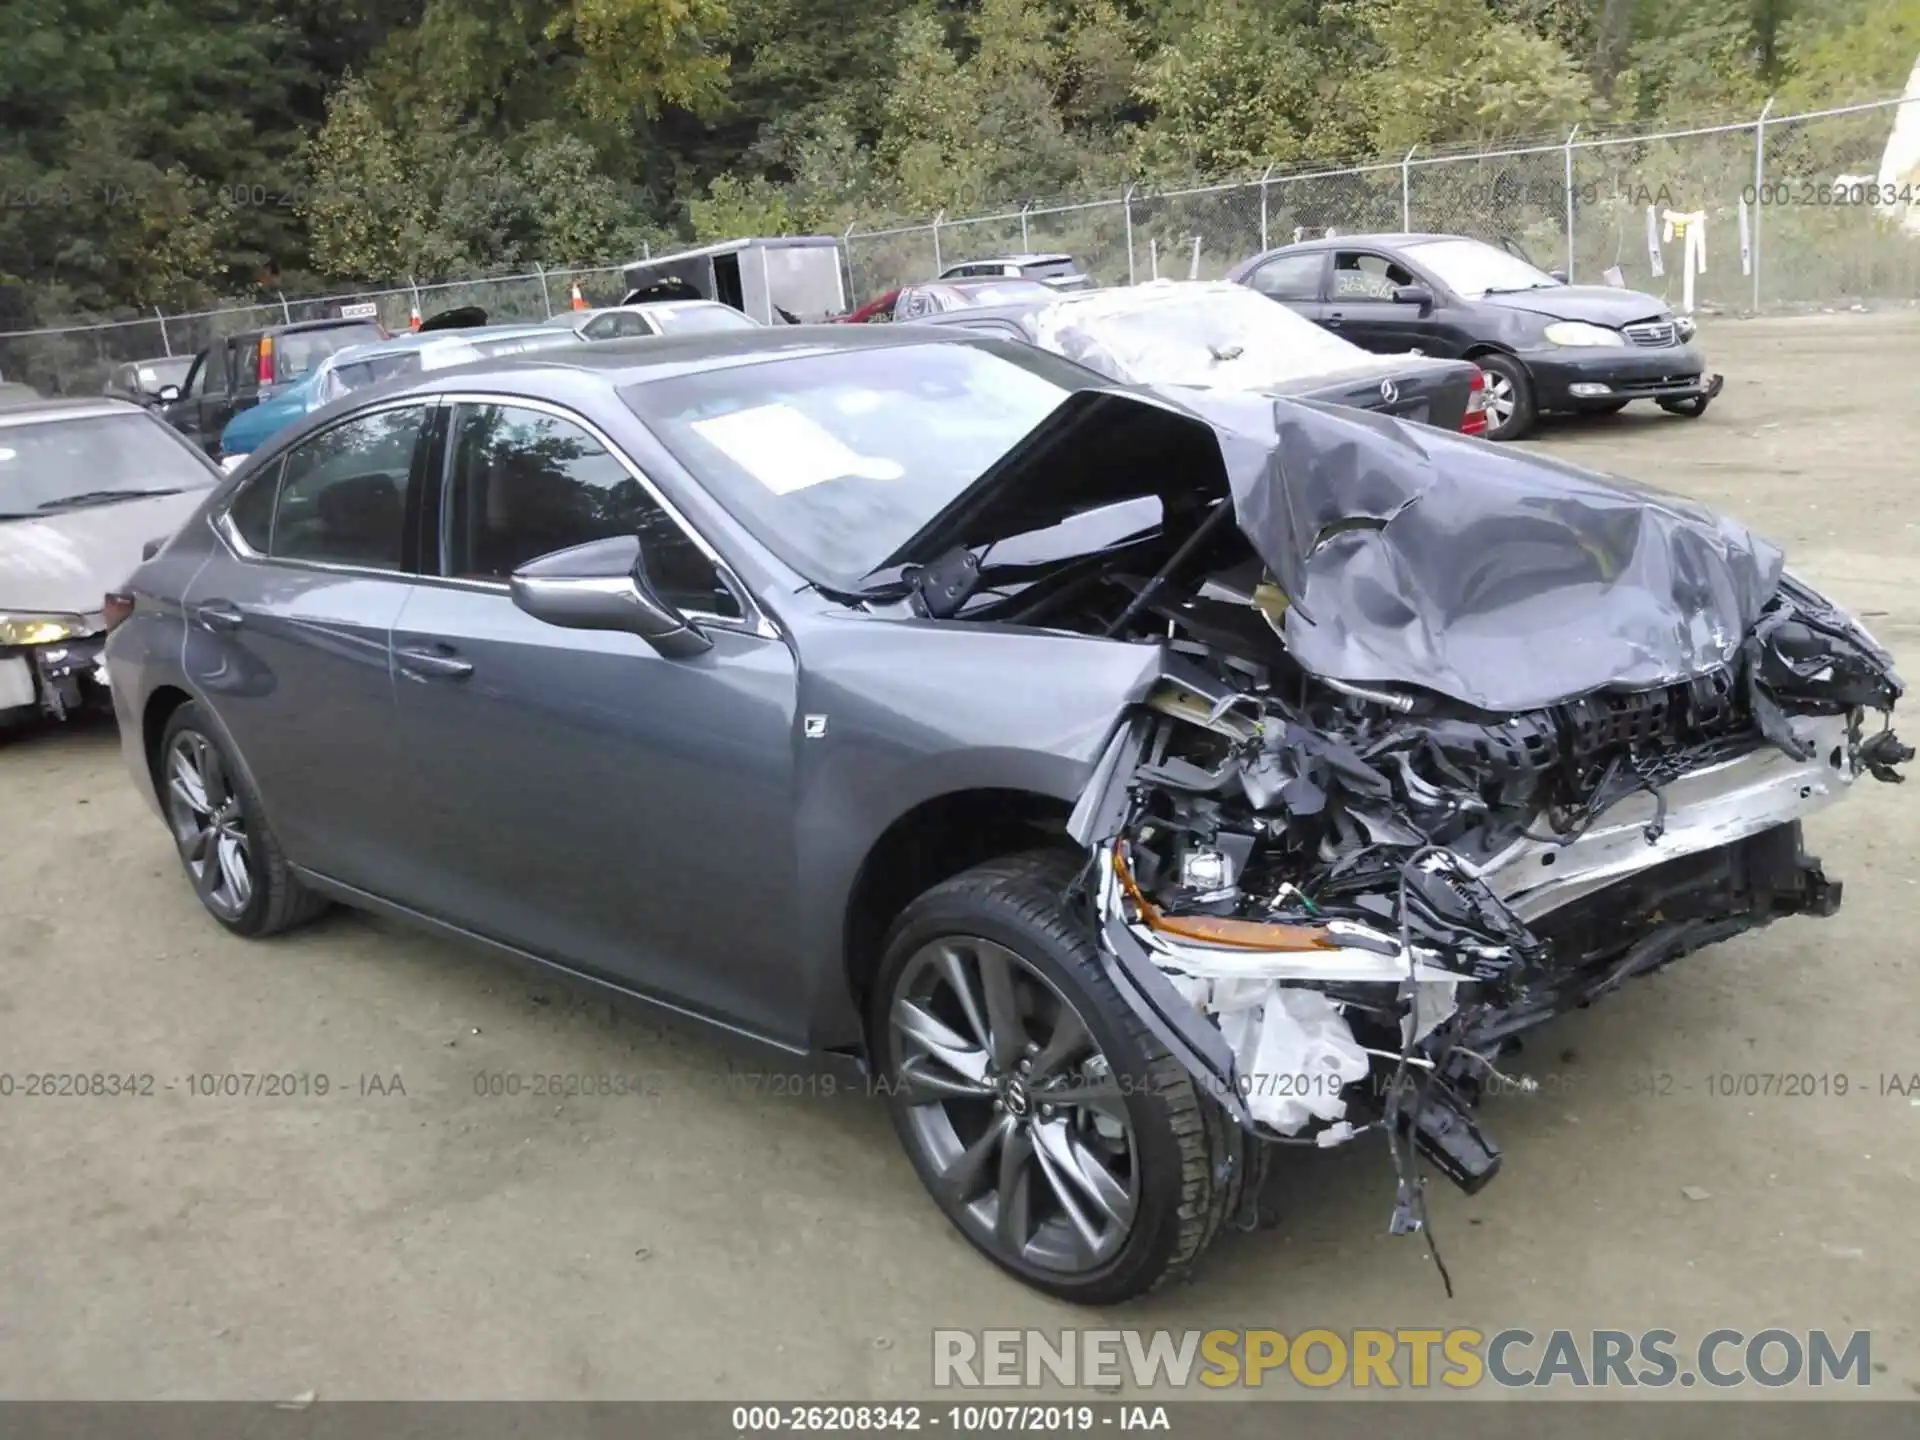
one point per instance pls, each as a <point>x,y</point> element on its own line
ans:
<point>1137,791</point>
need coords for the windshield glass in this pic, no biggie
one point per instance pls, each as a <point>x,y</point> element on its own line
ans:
<point>46,463</point>
<point>1472,268</point>
<point>833,461</point>
<point>1229,337</point>
<point>153,374</point>
<point>296,352</point>
<point>700,319</point>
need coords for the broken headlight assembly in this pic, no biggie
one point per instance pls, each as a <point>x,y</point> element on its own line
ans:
<point>18,628</point>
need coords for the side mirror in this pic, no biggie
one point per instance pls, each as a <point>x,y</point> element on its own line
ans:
<point>1559,275</point>
<point>1413,295</point>
<point>167,394</point>
<point>598,586</point>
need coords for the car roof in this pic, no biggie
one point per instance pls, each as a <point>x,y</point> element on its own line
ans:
<point>427,339</point>
<point>1048,258</point>
<point>1385,240</point>
<point>640,359</point>
<point>28,412</point>
<point>580,317</point>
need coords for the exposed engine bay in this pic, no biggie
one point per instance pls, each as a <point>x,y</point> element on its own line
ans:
<point>1446,742</point>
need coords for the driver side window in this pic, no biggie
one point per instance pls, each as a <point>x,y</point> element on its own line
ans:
<point>1360,276</point>
<point>525,484</point>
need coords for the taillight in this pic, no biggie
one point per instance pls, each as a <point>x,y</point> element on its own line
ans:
<point>1474,422</point>
<point>118,607</point>
<point>266,360</point>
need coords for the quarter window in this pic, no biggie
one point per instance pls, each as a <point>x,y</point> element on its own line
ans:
<point>525,484</point>
<point>250,512</point>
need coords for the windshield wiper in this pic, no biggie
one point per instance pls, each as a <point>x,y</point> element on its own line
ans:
<point>1520,289</point>
<point>104,497</point>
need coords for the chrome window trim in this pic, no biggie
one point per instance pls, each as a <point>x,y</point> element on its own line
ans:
<point>752,620</point>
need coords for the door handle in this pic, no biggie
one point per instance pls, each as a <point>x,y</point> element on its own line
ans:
<point>218,614</point>
<point>1334,318</point>
<point>436,663</point>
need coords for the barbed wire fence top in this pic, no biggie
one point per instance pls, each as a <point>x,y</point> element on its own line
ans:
<point>1781,231</point>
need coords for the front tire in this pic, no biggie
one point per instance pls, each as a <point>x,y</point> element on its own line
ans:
<point>1692,408</point>
<point>1511,408</point>
<point>229,853</point>
<point>1056,1133</point>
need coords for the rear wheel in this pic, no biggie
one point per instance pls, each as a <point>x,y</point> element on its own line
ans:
<point>1053,1130</point>
<point>1510,404</point>
<point>218,827</point>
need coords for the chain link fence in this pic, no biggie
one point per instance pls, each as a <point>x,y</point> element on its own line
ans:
<point>1780,232</point>
<point>77,359</point>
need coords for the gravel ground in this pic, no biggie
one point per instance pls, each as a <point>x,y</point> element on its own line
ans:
<point>404,1236</point>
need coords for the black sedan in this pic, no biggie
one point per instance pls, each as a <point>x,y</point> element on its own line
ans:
<point>1545,345</point>
<point>1215,336</point>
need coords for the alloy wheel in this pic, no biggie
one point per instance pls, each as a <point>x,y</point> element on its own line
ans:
<point>1500,399</point>
<point>208,825</point>
<point>1020,1123</point>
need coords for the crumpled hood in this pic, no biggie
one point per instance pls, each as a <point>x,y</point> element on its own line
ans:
<point>1492,575</point>
<point>1412,555</point>
<point>66,563</point>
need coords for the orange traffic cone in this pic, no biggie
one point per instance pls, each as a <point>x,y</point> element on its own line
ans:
<point>413,322</point>
<point>579,300</point>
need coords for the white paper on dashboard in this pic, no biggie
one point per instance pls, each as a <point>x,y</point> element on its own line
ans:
<point>786,450</point>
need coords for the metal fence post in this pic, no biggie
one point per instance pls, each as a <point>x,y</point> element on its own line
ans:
<point>1570,134</point>
<point>165,343</point>
<point>1759,179</point>
<point>938,216</point>
<point>846,254</point>
<point>1406,191</point>
<point>1126,202</point>
<point>1265,176</point>
<point>285,313</point>
<point>546,300</point>
<point>1026,244</point>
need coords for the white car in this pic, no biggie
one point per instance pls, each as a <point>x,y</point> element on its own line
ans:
<point>657,317</point>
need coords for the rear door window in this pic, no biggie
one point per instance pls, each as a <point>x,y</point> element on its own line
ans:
<point>1291,277</point>
<point>338,497</point>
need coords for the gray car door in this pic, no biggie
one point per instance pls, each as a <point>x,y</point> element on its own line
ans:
<point>288,633</point>
<point>573,793</point>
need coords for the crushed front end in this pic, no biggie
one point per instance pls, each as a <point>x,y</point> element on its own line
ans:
<point>1341,904</point>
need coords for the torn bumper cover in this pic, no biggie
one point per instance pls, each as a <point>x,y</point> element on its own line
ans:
<point>1521,735</point>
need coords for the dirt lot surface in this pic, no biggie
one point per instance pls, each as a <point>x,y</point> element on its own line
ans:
<point>707,1238</point>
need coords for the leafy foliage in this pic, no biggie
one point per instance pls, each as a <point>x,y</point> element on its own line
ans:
<point>172,152</point>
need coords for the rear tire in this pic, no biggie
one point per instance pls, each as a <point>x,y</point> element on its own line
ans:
<point>1511,409</point>
<point>1012,1064</point>
<point>230,855</point>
